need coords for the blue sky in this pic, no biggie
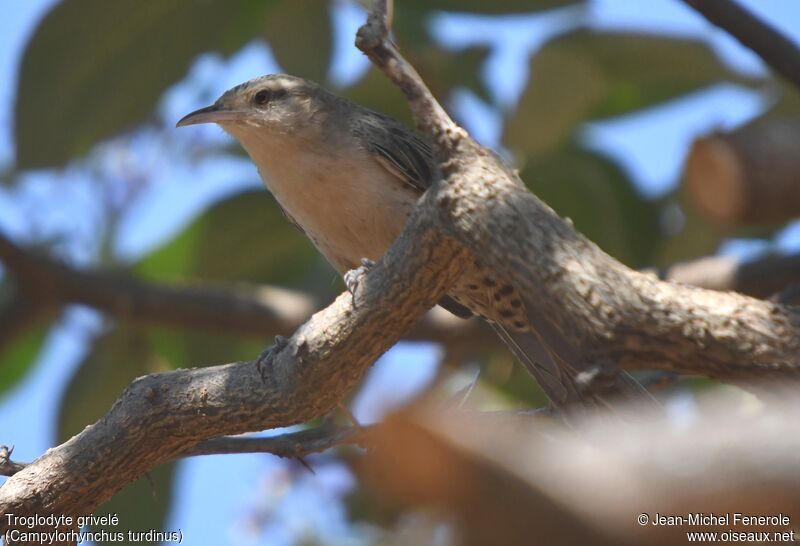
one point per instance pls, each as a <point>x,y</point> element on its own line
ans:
<point>650,145</point>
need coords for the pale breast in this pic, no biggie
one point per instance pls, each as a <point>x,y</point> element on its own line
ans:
<point>347,204</point>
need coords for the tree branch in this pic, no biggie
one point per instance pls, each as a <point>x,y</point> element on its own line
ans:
<point>748,176</point>
<point>594,313</point>
<point>774,48</point>
<point>7,466</point>
<point>158,416</point>
<point>45,284</point>
<point>289,445</point>
<point>761,277</point>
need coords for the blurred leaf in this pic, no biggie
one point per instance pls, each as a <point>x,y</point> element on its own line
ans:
<point>95,68</point>
<point>786,105</point>
<point>114,360</point>
<point>299,33</point>
<point>504,372</point>
<point>141,506</point>
<point>587,75</point>
<point>376,92</point>
<point>243,238</point>
<point>597,195</point>
<point>16,360</point>
<point>550,109</point>
<point>364,506</point>
<point>699,237</point>
<point>182,349</point>
<point>444,71</point>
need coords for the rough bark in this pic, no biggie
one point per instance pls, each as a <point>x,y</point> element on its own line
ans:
<point>161,416</point>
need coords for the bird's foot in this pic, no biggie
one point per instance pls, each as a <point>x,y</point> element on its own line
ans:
<point>353,277</point>
<point>264,361</point>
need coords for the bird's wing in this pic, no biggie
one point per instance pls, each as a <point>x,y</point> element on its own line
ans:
<point>398,149</point>
<point>408,157</point>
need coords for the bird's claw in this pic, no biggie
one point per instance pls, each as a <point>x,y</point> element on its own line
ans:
<point>264,361</point>
<point>353,277</point>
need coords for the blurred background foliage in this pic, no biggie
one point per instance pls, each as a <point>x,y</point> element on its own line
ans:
<point>93,84</point>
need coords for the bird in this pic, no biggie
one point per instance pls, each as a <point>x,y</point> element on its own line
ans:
<point>349,177</point>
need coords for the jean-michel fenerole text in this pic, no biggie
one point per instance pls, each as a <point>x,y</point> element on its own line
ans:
<point>728,519</point>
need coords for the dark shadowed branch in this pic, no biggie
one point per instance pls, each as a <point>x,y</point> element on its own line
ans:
<point>762,277</point>
<point>44,285</point>
<point>777,50</point>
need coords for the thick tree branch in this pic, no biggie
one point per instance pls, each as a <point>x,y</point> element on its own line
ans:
<point>592,311</point>
<point>774,48</point>
<point>160,416</point>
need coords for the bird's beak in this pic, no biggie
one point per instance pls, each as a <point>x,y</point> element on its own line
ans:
<point>211,114</point>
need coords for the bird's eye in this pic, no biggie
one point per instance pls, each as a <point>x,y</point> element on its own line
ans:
<point>262,97</point>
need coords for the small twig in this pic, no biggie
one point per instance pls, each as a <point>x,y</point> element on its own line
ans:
<point>373,38</point>
<point>7,466</point>
<point>774,48</point>
<point>293,445</point>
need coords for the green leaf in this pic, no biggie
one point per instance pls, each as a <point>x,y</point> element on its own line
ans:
<point>115,359</point>
<point>700,237</point>
<point>376,92</point>
<point>443,72</point>
<point>787,104</point>
<point>183,349</point>
<point>95,68</point>
<point>550,109</point>
<point>16,360</point>
<point>589,75</point>
<point>595,193</point>
<point>300,35</point>
<point>243,238</point>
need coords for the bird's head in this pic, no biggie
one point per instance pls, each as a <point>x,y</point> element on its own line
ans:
<point>276,104</point>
